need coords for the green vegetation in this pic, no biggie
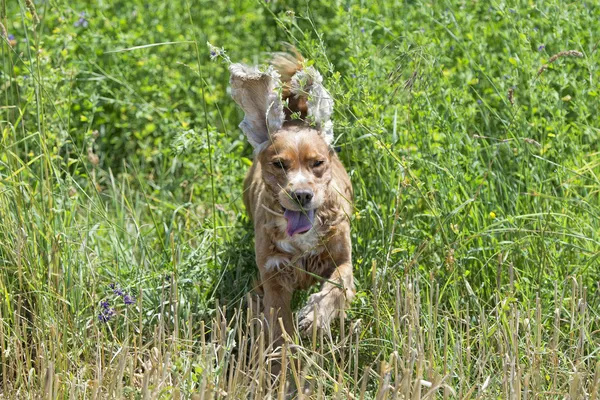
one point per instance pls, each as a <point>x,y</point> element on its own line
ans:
<point>476,171</point>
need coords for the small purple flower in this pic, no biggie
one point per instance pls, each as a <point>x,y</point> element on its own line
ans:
<point>106,314</point>
<point>81,21</point>
<point>216,52</point>
<point>512,10</point>
<point>105,305</point>
<point>535,29</point>
<point>116,289</point>
<point>479,101</point>
<point>127,299</point>
<point>541,47</point>
<point>11,37</point>
<point>362,30</point>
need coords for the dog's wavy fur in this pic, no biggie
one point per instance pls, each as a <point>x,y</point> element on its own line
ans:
<point>296,156</point>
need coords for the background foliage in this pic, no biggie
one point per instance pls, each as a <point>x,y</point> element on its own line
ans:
<point>476,175</point>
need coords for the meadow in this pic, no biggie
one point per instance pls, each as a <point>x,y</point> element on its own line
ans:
<point>470,130</point>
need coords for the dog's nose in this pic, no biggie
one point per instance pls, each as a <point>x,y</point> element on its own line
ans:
<point>303,197</point>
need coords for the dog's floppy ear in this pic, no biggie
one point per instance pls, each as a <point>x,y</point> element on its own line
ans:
<point>308,83</point>
<point>257,94</point>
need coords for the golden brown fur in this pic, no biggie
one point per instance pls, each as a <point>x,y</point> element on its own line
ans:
<point>287,66</point>
<point>297,158</point>
<point>326,253</point>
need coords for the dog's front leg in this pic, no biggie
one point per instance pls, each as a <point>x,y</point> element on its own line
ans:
<point>277,296</point>
<point>276,303</point>
<point>337,291</point>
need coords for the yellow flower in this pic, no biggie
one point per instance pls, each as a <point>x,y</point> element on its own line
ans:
<point>492,215</point>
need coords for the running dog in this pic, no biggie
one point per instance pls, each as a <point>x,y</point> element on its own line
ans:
<point>297,192</point>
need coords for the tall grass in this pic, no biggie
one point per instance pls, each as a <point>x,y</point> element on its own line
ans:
<point>423,351</point>
<point>127,266</point>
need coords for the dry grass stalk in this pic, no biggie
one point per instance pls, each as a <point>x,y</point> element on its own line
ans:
<point>468,356</point>
<point>31,7</point>
<point>568,53</point>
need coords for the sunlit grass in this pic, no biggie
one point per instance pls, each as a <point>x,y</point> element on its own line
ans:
<point>477,201</point>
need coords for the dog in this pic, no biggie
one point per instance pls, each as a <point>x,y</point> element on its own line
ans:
<point>297,192</point>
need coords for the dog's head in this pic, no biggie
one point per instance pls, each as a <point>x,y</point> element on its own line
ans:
<point>296,168</point>
<point>295,156</point>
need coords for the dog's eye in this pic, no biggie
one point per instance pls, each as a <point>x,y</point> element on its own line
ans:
<point>318,163</point>
<point>280,164</point>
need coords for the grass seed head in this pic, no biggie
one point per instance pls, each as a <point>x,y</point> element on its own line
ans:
<point>31,7</point>
<point>568,53</point>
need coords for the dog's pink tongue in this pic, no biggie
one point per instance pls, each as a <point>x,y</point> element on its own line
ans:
<point>299,221</point>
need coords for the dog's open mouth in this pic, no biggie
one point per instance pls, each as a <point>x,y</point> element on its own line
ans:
<point>299,221</point>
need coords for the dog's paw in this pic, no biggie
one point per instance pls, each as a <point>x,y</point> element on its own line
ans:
<point>320,310</point>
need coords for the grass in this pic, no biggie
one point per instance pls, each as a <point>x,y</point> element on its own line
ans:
<point>474,155</point>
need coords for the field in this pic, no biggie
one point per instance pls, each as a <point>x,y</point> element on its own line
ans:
<point>471,133</point>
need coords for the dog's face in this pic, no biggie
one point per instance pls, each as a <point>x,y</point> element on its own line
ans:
<point>295,156</point>
<point>296,168</point>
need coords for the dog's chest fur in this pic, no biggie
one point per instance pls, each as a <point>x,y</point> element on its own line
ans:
<point>298,259</point>
<point>304,251</point>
